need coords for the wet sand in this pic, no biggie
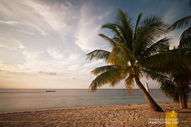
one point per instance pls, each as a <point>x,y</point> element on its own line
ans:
<point>100,116</point>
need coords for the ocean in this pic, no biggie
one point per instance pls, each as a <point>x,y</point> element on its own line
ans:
<point>12,100</point>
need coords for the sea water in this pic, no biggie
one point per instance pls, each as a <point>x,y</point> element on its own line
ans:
<point>12,100</point>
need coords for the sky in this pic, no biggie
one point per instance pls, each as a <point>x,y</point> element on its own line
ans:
<point>43,43</point>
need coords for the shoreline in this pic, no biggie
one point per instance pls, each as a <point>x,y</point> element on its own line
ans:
<point>79,107</point>
<point>113,115</point>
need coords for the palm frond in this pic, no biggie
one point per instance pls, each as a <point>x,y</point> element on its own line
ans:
<point>127,71</point>
<point>113,28</point>
<point>154,75</point>
<point>150,29</point>
<point>155,24</point>
<point>104,78</point>
<point>170,89</point>
<point>185,39</point>
<point>102,69</point>
<point>155,48</point>
<point>120,55</point>
<point>167,61</point>
<point>125,26</point>
<point>98,54</point>
<point>114,83</point>
<point>183,22</point>
<point>150,19</point>
<point>137,24</point>
<point>111,41</point>
<point>129,82</point>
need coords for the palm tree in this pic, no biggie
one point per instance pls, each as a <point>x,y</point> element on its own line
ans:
<point>175,64</point>
<point>182,79</point>
<point>130,45</point>
<point>169,87</point>
<point>177,88</point>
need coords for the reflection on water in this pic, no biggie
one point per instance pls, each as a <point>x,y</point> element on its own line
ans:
<point>23,100</point>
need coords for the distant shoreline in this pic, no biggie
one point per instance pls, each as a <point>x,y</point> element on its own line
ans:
<point>123,115</point>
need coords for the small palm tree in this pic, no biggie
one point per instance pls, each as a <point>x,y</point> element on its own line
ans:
<point>172,88</point>
<point>177,85</point>
<point>130,45</point>
<point>175,64</point>
<point>169,87</point>
<point>181,77</point>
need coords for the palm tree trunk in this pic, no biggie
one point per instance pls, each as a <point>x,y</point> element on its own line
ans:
<point>183,98</point>
<point>152,104</point>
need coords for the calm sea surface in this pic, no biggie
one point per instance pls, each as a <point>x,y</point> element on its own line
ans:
<point>12,100</point>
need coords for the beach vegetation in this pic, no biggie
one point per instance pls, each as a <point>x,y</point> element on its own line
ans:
<point>130,45</point>
<point>177,85</point>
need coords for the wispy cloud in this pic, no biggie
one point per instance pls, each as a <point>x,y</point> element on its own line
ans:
<point>9,22</point>
<point>49,39</point>
<point>57,53</point>
<point>3,71</point>
<point>72,78</point>
<point>11,44</point>
<point>88,28</point>
<point>38,15</point>
<point>173,11</point>
<point>25,32</point>
<point>47,73</point>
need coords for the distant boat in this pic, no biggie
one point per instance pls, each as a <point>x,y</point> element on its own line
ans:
<point>50,91</point>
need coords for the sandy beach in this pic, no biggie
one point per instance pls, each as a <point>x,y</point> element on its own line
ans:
<point>112,116</point>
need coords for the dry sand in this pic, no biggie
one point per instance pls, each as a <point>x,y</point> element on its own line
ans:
<point>101,116</point>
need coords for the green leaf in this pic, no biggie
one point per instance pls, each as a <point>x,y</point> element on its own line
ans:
<point>111,41</point>
<point>185,39</point>
<point>137,24</point>
<point>98,54</point>
<point>167,62</point>
<point>129,82</point>
<point>121,55</point>
<point>104,78</point>
<point>102,69</point>
<point>155,48</point>
<point>183,22</point>
<point>154,75</point>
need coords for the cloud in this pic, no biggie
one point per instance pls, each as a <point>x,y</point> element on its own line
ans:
<point>173,11</point>
<point>21,46</point>
<point>94,64</point>
<point>49,38</point>
<point>88,27</point>
<point>73,67</point>
<point>72,78</point>
<point>25,32</point>
<point>3,71</point>
<point>9,22</point>
<point>11,44</point>
<point>56,53</point>
<point>47,73</point>
<point>38,15</point>
<point>6,47</point>
<point>56,17</point>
